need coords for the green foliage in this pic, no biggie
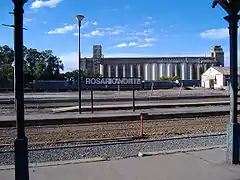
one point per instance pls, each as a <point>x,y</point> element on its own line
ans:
<point>74,75</point>
<point>38,65</point>
<point>174,78</point>
<point>164,78</point>
<point>93,75</point>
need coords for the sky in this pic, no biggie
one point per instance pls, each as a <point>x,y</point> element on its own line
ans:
<point>124,28</point>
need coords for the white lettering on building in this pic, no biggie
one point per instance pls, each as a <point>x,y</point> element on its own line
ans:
<point>112,81</point>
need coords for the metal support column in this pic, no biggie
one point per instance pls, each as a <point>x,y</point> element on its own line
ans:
<point>21,142</point>
<point>79,69</point>
<point>79,19</point>
<point>233,125</point>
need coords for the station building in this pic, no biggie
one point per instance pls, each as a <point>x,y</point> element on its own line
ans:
<point>217,78</point>
<point>152,68</point>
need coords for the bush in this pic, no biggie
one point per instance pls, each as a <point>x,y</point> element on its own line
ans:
<point>174,78</point>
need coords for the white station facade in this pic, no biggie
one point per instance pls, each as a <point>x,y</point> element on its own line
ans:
<point>152,68</point>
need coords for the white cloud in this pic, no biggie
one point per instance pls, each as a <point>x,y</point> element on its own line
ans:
<point>68,28</point>
<point>149,39</point>
<point>88,23</point>
<point>132,44</point>
<point>133,38</point>
<point>149,21</point>
<point>94,33</point>
<point>221,33</point>
<point>122,45</point>
<point>104,32</point>
<point>136,38</point>
<point>145,45</point>
<point>63,30</point>
<point>140,40</point>
<point>117,30</point>
<point>150,55</point>
<point>27,20</point>
<point>39,3</point>
<point>143,33</point>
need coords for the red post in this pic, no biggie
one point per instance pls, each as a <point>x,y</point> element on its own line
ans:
<point>142,115</point>
<point>141,125</point>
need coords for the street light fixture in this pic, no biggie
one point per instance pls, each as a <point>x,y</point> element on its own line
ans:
<point>79,19</point>
<point>232,7</point>
<point>12,26</point>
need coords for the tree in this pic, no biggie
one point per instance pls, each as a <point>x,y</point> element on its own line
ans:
<point>31,58</point>
<point>6,55</point>
<point>53,65</point>
<point>174,78</point>
<point>37,65</point>
<point>7,72</point>
<point>6,69</point>
<point>165,78</point>
<point>40,67</point>
<point>93,75</point>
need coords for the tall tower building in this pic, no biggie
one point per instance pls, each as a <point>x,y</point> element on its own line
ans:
<point>218,53</point>
<point>97,58</point>
<point>97,51</point>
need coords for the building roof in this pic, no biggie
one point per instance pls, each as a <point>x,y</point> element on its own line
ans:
<point>170,59</point>
<point>225,70</point>
<point>197,58</point>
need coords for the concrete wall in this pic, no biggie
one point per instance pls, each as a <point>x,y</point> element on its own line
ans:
<point>220,80</point>
<point>211,74</point>
<point>219,83</point>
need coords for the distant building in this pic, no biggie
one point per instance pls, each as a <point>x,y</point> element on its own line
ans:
<point>152,68</point>
<point>217,77</point>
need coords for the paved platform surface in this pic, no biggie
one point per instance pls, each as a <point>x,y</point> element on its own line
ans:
<point>142,106</point>
<point>198,165</point>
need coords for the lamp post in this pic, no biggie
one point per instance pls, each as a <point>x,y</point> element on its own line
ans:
<point>79,19</point>
<point>21,142</point>
<point>232,7</point>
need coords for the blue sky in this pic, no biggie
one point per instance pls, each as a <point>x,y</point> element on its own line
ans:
<point>123,28</point>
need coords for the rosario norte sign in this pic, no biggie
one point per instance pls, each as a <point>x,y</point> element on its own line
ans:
<point>113,81</point>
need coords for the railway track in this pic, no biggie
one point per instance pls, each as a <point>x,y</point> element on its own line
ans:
<point>30,109</point>
<point>69,104</point>
<point>85,133</point>
<point>147,97</point>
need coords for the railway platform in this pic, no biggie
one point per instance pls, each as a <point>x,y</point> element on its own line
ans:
<point>114,115</point>
<point>186,165</point>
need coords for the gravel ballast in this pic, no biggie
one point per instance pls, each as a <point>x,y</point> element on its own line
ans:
<point>111,150</point>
